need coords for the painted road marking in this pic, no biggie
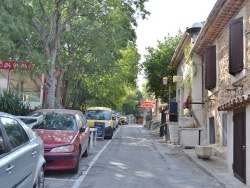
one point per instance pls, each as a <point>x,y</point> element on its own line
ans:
<point>85,173</point>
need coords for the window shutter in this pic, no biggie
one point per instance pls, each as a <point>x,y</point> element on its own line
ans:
<point>236,46</point>
<point>210,68</point>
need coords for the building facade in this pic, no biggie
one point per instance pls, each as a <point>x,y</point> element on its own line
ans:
<point>18,79</point>
<point>220,54</point>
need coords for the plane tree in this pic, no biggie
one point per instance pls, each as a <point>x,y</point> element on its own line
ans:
<point>110,86</point>
<point>62,35</point>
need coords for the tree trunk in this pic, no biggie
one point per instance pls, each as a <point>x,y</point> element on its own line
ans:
<point>76,95</point>
<point>50,88</point>
<point>66,103</point>
<point>59,86</point>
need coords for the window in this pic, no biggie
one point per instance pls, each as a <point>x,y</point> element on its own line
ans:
<point>210,68</point>
<point>79,121</point>
<point>211,130</point>
<point>98,114</point>
<point>3,80</point>
<point>2,150</point>
<point>16,134</point>
<point>83,119</point>
<point>236,46</point>
<point>56,121</point>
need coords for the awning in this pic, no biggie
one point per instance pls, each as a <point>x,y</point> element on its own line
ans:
<point>235,103</point>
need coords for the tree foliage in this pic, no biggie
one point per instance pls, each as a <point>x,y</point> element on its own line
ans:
<point>114,85</point>
<point>131,104</point>
<point>158,65</point>
<point>79,46</point>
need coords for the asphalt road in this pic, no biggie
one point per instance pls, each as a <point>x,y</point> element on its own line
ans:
<point>133,158</point>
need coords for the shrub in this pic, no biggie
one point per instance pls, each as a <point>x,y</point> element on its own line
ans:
<point>12,104</point>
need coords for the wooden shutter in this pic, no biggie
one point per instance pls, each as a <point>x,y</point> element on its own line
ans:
<point>236,46</point>
<point>210,68</point>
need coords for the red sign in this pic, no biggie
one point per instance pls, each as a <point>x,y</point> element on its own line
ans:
<point>147,104</point>
<point>11,65</point>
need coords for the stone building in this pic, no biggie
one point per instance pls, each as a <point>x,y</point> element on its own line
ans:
<point>218,55</point>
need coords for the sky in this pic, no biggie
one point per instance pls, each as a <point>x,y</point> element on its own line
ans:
<point>168,17</point>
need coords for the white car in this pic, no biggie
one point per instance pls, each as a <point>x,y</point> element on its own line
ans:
<point>22,160</point>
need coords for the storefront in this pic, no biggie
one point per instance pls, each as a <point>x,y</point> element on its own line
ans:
<point>17,78</point>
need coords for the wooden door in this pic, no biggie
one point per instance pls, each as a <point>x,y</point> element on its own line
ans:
<point>239,153</point>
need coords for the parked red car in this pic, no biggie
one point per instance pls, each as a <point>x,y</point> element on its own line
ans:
<point>66,137</point>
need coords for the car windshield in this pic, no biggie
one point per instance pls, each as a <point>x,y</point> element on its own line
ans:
<point>98,114</point>
<point>56,121</point>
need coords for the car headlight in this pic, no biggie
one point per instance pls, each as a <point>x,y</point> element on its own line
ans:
<point>68,148</point>
<point>107,124</point>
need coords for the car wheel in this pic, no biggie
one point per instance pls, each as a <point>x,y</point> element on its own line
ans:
<point>39,183</point>
<point>75,170</point>
<point>110,137</point>
<point>86,152</point>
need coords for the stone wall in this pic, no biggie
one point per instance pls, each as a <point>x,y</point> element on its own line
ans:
<point>224,79</point>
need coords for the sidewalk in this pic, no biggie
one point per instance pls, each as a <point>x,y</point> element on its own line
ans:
<point>216,168</point>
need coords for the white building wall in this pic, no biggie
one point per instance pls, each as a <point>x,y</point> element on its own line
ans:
<point>230,136</point>
<point>197,83</point>
<point>197,96</point>
<point>180,91</point>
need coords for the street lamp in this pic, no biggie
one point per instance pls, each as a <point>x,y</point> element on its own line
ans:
<point>165,82</point>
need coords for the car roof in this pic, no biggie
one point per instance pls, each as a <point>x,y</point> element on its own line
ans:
<point>3,113</point>
<point>6,114</point>
<point>99,108</point>
<point>60,111</point>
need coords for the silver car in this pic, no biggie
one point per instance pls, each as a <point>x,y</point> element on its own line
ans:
<point>22,161</point>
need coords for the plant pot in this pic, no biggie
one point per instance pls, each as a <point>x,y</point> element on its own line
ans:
<point>186,122</point>
<point>203,152</point>
<point>174,132</point>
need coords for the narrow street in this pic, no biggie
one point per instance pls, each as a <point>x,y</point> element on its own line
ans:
<point>133,158</point>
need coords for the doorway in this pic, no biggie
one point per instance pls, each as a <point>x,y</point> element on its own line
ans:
<point>239,144</point>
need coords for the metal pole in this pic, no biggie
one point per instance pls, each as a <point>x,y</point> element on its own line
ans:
<point>168,93</point>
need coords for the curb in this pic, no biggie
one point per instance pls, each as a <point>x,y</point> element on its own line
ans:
<point>223,178</point>
<point>204,169</point>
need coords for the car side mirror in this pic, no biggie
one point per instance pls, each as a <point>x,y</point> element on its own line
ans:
<point>82,129</point>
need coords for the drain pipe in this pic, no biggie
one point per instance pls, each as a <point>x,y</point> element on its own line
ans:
<point>199,137</point>
<point>196,103</point>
